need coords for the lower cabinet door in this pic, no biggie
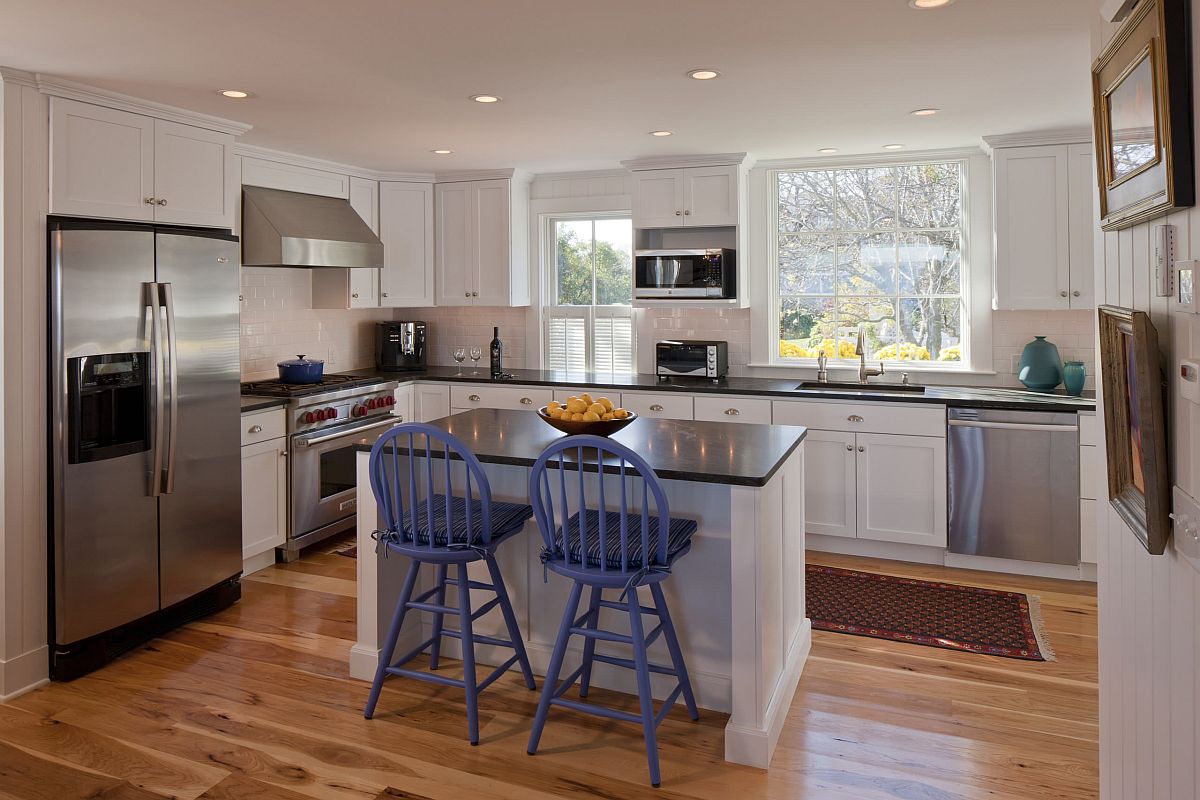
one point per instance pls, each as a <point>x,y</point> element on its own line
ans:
<point>431,401</point>
<point>830,497</point>
<point>264,496</point>
<point>902,488</point>
<point>404,403</point>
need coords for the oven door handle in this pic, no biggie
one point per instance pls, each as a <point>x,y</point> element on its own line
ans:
<point>306,441</point>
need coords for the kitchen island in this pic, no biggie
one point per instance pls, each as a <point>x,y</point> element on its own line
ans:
<point>737,597</point>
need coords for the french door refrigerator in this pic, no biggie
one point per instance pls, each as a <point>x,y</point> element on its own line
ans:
<point>145,479</point>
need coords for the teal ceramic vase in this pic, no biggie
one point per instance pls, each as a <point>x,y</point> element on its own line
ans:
<point>1041,367</point>
<point>1074,374</point>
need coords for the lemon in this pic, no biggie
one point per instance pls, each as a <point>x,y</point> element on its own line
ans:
<point>597,409</point>
<point>576,405</point>
<point>591,416</point>
<point>552,405</point>
<point>577,417</point>
<point>607,416</point>
<point>620,413</point>
<point>608,404</point>
<point>585,397</point>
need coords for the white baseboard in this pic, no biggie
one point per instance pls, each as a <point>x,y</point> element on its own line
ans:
<point>363,662</point>
<point>755,746</point>
<point>1013,567</point>
<point>893,551</point>
<point>259,561</point>
<point>24,673</point>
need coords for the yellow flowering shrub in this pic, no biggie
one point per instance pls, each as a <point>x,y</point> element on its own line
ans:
<point>832,349</point>
<point>904,351</point>
<point>792,350</point>
<point>952,353</point>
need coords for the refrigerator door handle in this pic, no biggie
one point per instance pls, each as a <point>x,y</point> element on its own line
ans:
<point>172,360</point>
<point>154,303</point>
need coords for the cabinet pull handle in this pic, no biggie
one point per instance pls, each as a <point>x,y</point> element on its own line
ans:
<point>385,294</point>
<point>1062,293</point>
<point>1075,293</point>
<point>854,418</point>
<point>473,398</point>
<point>283,453</point>
<point>525,401</point>
<point>255,429</point>
<point>474,294</point>
<point>732,412</point>
<point>656,407</point>
<point>149,201</point>
<point>687,213</point>
<point>849,448</point>
<point>161,202</point>
<point>467,294</point>
<point>862,449</point>
<point>355,295</point>
<point>679,213</point>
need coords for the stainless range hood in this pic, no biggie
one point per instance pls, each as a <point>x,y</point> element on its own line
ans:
<point>291,229</point>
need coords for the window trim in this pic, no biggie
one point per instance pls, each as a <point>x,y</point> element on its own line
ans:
<point>976,254</point>
<point>546,214</point>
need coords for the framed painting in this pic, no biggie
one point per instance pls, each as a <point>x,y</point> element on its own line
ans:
<point>1139,485</point>
<point>1142,101</point>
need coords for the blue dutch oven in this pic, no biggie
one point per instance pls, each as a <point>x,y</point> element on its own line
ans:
<point>301,370</point>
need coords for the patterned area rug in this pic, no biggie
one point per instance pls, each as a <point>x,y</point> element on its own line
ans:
<point>927,612</point>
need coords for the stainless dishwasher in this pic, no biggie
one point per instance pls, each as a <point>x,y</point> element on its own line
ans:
<point>1014,484</point>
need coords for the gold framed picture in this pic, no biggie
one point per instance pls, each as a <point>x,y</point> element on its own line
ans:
<point>1142,103</point>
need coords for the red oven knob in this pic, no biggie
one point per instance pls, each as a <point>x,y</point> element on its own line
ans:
<point>309,418</point>
<point>331,413</point>
<point>389,401</point>
<point>372,403</point>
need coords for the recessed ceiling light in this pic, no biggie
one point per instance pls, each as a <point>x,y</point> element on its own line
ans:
<point>893,147</point>
<point>927,4</point>
<point>828,150</point>
<point>441,152</point>
<point>236,94</point>
<point>703,74</point>
<point>924,112</point>
<point>485,98</point>
<point>662,133</point>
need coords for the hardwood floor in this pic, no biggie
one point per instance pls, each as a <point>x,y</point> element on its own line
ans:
<point>255,702</point>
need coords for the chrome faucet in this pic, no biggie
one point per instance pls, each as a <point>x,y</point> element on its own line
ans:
<point>864,371</point>
<point>822,371</point>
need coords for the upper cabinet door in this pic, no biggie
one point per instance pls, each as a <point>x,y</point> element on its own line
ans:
<point>193,176</point>
<point>406,228</point>
<point>1032,256</point>
<point>658,198</point>
<point>710,196</point>
<point>492,243</point>
<point>101,162</point>
<point>454,236</point>
<point>1081,199</point>
<point>364,283</point>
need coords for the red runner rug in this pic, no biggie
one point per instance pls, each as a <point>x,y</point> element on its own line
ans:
<point>930,613</point>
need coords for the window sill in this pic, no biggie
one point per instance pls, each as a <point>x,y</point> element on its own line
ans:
<point>811,364</point>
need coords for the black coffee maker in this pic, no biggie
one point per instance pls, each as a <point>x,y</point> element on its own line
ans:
<point>400,346</point>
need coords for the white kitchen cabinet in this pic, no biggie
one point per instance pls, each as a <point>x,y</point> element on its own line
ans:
<point>431,401</point>
<point>688,197</point>
<point>1044,222</point>
<point>406,227</point>
<point>352,288</point>
<point>293,178</point>
<point>901,488</point>
<point>117,164</point>
<point>830,478</point>
<point>733,408</point>
<point>481,250</point>
<point>1088,543</point>
<point>405,399</point>
<point>264,487</point>
<point>655,405</point>
<point>466,396</point>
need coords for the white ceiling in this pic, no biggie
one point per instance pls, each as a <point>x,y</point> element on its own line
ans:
<point>380,83</point>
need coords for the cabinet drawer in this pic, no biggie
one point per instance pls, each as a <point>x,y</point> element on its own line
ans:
<point>516,397</point>
<point>881,417</point>
<point>1089,429</point>
<point>561,395</point>
<point>262,426</point>
<point>729,408</point>
<point>660,406</point>
<point>1087,472</point>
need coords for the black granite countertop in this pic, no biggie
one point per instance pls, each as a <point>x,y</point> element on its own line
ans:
<point>252,403</point>
<point>953,396</point>
<point>678,450</point>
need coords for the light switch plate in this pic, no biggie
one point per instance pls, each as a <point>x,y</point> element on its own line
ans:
<point>1189,380</point>
<point>1186,517</point>
<point>1186,297</point>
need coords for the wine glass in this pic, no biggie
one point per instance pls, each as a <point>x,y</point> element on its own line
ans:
<point>476,354</point>
<point>460,355</point>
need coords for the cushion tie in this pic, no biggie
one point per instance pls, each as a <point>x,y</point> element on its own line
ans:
<point>384,538</point>
<point>637,577</point>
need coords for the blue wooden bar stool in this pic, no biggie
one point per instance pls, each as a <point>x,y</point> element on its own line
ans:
<point>603,549</point>
<point>431,524</point>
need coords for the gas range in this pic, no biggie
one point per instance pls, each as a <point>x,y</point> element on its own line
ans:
<point>336,400</point>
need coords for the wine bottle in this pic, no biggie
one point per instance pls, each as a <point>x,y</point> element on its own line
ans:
<point>497,354</point>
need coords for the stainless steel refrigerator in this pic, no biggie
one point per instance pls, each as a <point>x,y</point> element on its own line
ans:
<point>145,480</point>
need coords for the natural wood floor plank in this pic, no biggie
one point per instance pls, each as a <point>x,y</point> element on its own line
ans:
<point>256,702</point>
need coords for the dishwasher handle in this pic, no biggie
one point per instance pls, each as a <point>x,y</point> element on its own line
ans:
<point>1013,426</point>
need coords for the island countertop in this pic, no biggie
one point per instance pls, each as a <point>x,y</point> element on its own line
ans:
<point>679,450</point>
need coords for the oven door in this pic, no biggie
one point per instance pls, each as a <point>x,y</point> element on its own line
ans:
<point>324,475</point>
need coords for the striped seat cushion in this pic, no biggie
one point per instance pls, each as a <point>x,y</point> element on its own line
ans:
<point>679,535</point>
<point>507,518</point>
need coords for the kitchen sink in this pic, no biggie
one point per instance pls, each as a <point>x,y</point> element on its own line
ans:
<point>848,386</point>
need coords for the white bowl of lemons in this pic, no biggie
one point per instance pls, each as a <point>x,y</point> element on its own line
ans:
<point>585,414</point>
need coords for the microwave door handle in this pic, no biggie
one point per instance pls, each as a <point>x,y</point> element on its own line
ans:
<point>172,358</point>
<point>157,411</point>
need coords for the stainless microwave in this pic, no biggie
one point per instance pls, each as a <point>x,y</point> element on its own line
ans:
<point>704,359</point>
<point>685,274</point>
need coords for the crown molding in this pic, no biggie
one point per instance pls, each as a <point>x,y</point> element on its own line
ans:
<point>18,76</point>
<point>456,176</point>
<point>676,162</point>
<point>871,159</point>
<point>60,87</point>
<point>323,165</point>
<point>582,175</point>
<point>1036,138</point>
